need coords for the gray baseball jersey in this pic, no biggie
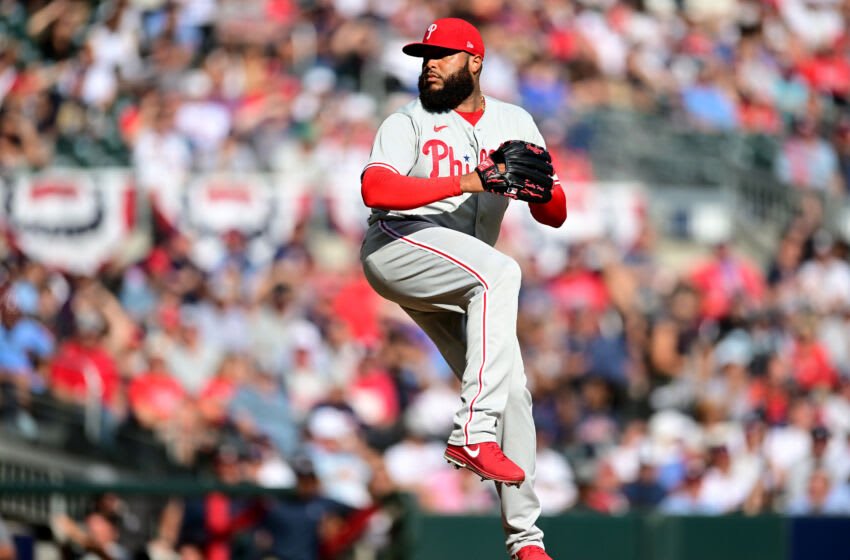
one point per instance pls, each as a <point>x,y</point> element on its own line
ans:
<point>417,143</point>
<point>438,263</point>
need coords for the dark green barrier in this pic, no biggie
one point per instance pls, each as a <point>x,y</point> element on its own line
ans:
<point>593,537</point>
<point>629,537</point>
<point>448,537</point>
<point>576,537</point>
<point>715,538</point>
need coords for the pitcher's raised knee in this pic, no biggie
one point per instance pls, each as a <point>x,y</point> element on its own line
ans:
<point>508,274</point>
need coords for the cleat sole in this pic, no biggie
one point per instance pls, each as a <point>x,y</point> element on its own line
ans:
<point>458,464</point>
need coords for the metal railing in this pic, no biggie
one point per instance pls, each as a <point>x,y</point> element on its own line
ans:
<point>33,507</point>
<point>664,154</point>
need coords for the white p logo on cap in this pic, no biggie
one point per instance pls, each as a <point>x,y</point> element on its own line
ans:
<point>431,29</point>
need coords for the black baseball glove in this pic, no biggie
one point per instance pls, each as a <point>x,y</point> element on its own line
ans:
<point>527,172</point>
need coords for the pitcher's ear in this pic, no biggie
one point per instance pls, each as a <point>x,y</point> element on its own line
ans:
<point>476,62</point>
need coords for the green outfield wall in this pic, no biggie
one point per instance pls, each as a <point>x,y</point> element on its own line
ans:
<point>644,537</point>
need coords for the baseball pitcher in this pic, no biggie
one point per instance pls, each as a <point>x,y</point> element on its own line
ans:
<point>440,176</point>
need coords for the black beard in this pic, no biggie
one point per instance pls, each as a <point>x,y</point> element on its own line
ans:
<point>456,88</point>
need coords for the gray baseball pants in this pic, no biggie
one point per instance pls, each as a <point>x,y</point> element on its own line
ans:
<point>464,294</point>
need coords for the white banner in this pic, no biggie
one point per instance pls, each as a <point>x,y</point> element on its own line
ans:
<point>77,219</point>
<point>264,208</point>
<point>70,219</point>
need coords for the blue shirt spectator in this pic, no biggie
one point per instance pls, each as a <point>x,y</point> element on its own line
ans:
<point>543,93</point>
<point>688,499</point>
<point>706,103</point>
<point>807,160</point>
<point>296,523</point>
<point>645,492</point>
<point>260,407</point>
<point>21,342</point>
<point>604,354</point>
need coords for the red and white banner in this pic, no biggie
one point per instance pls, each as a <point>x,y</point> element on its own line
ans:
<point>71,219</point>
<point>264,208</point>
<point>77,220</point>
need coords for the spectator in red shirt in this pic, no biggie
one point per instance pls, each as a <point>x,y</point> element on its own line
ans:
<point>725,280</point>
<point>356,305</point>
<point>771,393</point>
<point>810,363</point>
<point>83,369</point>
<point>827,71</point>
<point>579,286</point>
<point>756,114</point>
<point>605,494</point>
<point>155,396</point>
<point>373,394</point>
<point>216,395</point>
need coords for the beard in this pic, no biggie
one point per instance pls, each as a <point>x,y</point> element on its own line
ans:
<point>456,88</point>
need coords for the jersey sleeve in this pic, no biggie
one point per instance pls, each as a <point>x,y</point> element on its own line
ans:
<point>395,145</point>
<point>385,190</point>
<point>554,212</point>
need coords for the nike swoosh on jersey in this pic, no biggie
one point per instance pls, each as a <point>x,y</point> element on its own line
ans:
<point>472,453</point>
<point>439,128</point>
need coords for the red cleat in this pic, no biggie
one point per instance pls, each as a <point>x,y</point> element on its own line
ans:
<point>487,461</point>
<point>532,552</point>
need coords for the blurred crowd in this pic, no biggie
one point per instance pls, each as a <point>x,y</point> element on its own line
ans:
<point>232,85</point>
<point>721,387</point>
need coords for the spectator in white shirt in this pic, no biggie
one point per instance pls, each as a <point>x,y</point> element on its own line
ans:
<point>723,487</point>
<point>750,463</point>
<point>788,445</point>
<point>412,460</point>
<point>817,460</point>
<point>836,412</point>
<point>161,154</point>
<point>825,280</point>
<point>114,42</point>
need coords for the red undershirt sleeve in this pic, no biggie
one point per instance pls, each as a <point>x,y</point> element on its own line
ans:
<point>554,212</point>
<point>385,190</point>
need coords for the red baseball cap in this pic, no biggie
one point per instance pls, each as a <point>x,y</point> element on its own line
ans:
<point>448,33</point>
